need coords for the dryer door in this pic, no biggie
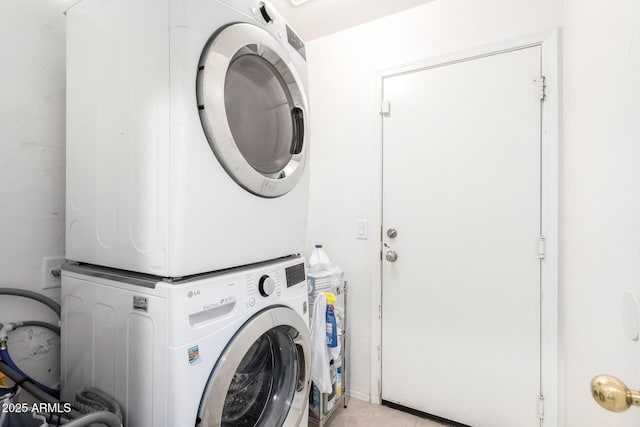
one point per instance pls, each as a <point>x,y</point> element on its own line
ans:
<point>253,109</point>
<point>262,378</point>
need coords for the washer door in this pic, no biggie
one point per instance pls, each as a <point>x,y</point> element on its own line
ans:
<point>262,378</point>
<point>253,109</point>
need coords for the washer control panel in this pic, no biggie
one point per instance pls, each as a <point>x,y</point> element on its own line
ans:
<point>266,286</point>
<point>295,274</point>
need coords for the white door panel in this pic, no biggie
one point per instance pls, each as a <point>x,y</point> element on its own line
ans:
<point>461,185</point>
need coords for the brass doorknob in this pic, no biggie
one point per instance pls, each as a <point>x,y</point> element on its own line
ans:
<point>612,394</point>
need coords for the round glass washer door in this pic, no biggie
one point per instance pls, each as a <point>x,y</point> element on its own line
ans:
<point>262,377</point>
<point>253,109</point>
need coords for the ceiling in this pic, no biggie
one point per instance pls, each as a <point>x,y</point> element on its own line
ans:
<point>319,18</point>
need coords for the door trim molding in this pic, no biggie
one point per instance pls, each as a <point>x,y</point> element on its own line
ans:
<point>549,43</point>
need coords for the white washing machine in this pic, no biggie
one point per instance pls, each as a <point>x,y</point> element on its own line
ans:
<point>187,135</point>
<point>230,349</point>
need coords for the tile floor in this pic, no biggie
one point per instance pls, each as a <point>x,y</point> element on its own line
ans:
<point>363,414</point>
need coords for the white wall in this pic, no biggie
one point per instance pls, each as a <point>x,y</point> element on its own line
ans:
<point>32,135</point>
<point>599,167</point>
<point>600,176</point>
<point>600,201</point>
<point>345,125</point>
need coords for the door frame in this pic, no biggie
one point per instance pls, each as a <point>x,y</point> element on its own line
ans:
<point>549,43</point>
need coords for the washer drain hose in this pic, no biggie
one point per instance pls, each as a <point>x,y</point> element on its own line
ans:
<point>49,326</point>
<point>32,389</point>
<point>89,400</point>
<point>34,296</point>
<point>6,359</point>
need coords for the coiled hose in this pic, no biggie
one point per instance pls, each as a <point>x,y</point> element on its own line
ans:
<point>89,400</point>
<point>77,419</point>
<point>4,357</point>
<point>34,296</point>
<point>4,353</point>
<point>46,325</point>
<point>44,393</point>
<point>32,389</point>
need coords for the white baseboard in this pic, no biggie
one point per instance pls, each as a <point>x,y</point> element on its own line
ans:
<point>358,395</point>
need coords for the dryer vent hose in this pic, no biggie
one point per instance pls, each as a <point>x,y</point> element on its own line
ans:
<point>89,400</point>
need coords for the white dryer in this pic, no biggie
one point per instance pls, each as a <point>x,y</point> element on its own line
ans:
<point>187,135</point>
<point>229,349</point>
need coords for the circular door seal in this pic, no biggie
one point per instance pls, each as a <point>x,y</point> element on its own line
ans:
<point>253,109</point>
<point>243,362</point>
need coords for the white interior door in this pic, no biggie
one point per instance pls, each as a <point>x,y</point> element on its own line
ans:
<point>462,188</point>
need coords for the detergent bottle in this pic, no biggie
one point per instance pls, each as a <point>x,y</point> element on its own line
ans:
<point>332,326</point>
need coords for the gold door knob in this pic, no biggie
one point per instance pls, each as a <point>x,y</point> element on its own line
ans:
<point>612,394</point>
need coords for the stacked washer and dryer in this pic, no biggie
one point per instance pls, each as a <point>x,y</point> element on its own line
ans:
<point>184,295</point>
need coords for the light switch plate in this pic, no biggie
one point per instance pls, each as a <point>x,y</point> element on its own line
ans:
<point>362,229</point>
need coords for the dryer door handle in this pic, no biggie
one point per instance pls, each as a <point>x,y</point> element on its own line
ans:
<point>297,120</point>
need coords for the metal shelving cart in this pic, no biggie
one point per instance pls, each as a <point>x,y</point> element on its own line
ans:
<point>324,413</point>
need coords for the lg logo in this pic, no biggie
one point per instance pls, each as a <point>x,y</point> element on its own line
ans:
<point>193,293</point>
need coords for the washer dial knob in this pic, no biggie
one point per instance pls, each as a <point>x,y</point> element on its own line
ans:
<point>266,285</point>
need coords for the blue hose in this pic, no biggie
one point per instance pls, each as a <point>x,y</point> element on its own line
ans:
<point>4,356</point>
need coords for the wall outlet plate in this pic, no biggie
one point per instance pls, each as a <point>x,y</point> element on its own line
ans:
<point>51,272</point>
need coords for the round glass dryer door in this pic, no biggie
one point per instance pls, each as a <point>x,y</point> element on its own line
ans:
<point>262,378</point>
<point>253,109</point>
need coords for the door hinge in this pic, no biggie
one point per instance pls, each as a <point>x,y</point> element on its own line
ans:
<point>541,247</point>
<point>385,107</point>
<point>541,81</point>
<point>541,407</point>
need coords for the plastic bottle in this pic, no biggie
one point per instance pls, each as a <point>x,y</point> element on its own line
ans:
<point>319,260</point>
<point>332,326</point>
<point>322,275</point>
